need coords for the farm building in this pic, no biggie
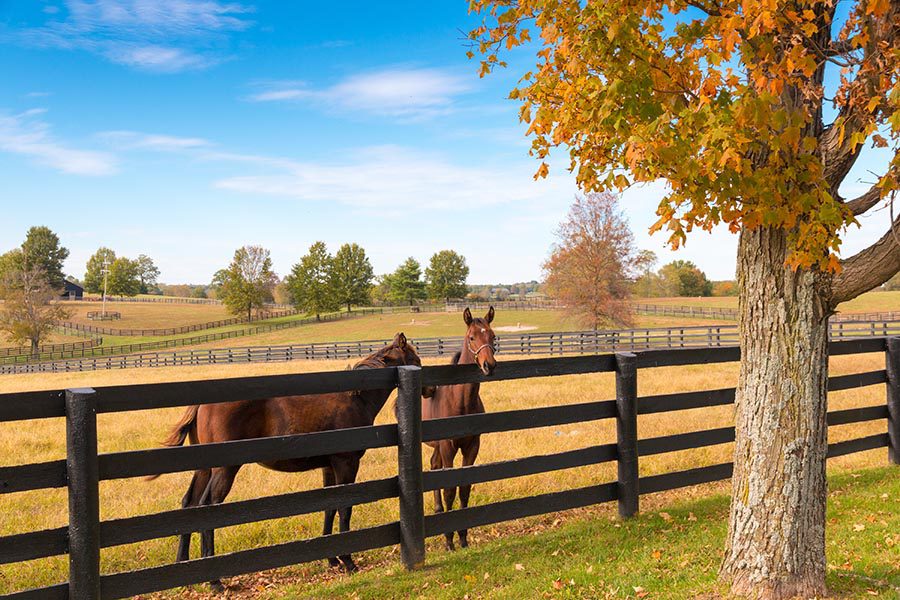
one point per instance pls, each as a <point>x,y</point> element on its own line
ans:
<point>73,291</point>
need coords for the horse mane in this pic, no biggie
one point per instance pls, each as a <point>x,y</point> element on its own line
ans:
<point>374,360</point>
<point>456,357</point>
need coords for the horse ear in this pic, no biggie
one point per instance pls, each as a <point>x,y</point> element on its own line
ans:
<point>467,316</point>
<point>490,315</point>
<point>400,340</point>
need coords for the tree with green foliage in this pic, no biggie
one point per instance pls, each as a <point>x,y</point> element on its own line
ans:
<point>446,275</point>
<point>93,276</point>
<point>30,306</point>
<point>725,101</point>
<point>311,282</point>
<point>41,249</point>
<point>381,290</point>
<point>248,281</point>
<point>406,282</point>
<point>148,273</point>
<point>353,275</point>
<point>684,278</point>
<point>124,278</point>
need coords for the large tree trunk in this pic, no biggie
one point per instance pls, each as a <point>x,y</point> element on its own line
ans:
<point>776,537</point>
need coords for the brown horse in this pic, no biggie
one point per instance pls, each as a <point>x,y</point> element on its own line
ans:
<point>287,415</point>
<point>461,399</point>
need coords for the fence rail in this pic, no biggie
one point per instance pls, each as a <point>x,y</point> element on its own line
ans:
<point>549,343</point>
<point>51,348</point>
<point>84,468</point>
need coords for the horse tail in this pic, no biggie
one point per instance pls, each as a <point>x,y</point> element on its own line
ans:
<point>184,429</point>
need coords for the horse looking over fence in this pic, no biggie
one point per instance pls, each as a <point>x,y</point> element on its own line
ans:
<point>287,415</point>
<point>457,400</point>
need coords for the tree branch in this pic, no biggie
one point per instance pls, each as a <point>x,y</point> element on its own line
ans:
<point>868,269</point>
<point>864,202</point>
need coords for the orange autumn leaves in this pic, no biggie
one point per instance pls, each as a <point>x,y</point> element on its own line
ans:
<point>724,102</point>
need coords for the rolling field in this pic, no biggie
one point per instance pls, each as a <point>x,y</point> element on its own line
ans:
<point>44,440</point>
<point>148,315</point>
<point>868,302</point>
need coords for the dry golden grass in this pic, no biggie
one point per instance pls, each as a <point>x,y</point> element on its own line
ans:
<point>869,302</point>
<point>149,315</point>
<point>33,441</point>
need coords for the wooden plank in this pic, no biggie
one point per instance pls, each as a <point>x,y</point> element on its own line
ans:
<point>198,518</point>
<point>520,467</point>
<point>687,356</point>
<point>857,415</point>
<point>513,420</point>
<point>143,581</point>
<point>686,400</point>
<point>519,369</point>
<point>856,380</point>
<point>59,591</point>
<point>862,345</point>
<point>139,463</point>
<point>22,406</point>
<point>626,434</point>
<point>189,393</point>
<point>34,544</point>
<point>508,510</point>
<point>685,441</point>
<point>680,479</point>
<point>870,442</point>
<point>36,476</point>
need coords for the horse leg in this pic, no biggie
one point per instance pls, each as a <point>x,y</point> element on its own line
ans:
<point>448,453</point>
<point>191,498</point>
<point>469,454</point>
<point>345,470</point>
<point>219,485</point>
<point>328,527</point>
<point>435,465</point>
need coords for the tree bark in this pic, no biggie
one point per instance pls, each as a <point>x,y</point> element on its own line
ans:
<point>776,537</point>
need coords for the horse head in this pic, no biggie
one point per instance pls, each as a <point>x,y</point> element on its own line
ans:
<point>480,340</point>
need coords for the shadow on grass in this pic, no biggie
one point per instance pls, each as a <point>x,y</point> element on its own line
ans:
<point>673,554</point>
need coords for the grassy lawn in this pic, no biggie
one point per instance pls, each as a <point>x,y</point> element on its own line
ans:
<point>670,551</point>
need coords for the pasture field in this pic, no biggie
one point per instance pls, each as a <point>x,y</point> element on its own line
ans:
<point>868,302</point>
<point>149,315</point>
<point>44,440</point>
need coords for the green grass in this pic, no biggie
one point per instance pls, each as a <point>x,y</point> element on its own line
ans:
<point>667,552</point>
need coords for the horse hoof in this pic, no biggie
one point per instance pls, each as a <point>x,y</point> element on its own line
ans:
<point>350,567</point>
<point>463,543</point>
<point>334,562</point>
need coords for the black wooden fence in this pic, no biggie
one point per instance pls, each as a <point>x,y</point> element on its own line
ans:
<point>547,343</point>
<point>46,350</point>
<point>83,468</point>
<point>731,314</point>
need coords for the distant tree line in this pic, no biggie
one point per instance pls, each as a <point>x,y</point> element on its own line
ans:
<point>124,276</point>
<point>677,278</point>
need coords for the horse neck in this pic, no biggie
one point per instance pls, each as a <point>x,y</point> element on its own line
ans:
<point>374,401</point>
<point>467,357</point>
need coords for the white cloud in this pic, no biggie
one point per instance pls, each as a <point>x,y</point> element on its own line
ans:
<point>152,35</point>
<point>396,92</point>
<point>26,135</point>
<point>390,177</point>
<point>164,143</point>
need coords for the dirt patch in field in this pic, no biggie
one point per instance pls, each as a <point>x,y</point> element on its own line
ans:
<point>516,327</point>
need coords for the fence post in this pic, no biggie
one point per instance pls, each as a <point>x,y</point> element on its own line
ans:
<point>409,459</point>
<point>893,398</point>
<point>626,433</point>
<point>84,494</point>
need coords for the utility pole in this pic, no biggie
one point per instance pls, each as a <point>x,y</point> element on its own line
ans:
<point>105,278</point>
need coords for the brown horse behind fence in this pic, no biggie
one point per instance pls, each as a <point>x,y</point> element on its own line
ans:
<point>457,400</point>
<point>227,421</point>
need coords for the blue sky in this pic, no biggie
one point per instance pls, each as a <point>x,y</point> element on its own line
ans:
<point>184,129</point>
